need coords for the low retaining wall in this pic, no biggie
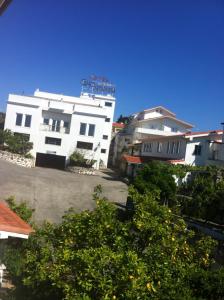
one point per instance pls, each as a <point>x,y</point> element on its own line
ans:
<point>17,159</point>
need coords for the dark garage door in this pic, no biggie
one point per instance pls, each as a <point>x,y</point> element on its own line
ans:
<point>50,161</point>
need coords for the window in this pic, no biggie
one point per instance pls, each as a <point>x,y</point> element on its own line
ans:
<point>147,147</point>
<point>46,121</point>
<point>56,125</point>
<point>168,148</point>
<point>91,130</point>
<point>159,147</point>
<point>178,147</point>
<point>197,150</point>
<point>23,136</point>
<point>19,118</point>
<point>174,129</point>
<point>105,137</point>
<point>108,104</point>
<point>173,147</point>
<point>52,141</point>
<point>82,130</point>
<point>66,124</point>
<point>103,150</point>
<point>107,120</point>
<point>84,145</point>
<point>28,120</point>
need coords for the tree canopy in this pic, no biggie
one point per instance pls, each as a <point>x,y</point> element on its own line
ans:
<point>100,255</point>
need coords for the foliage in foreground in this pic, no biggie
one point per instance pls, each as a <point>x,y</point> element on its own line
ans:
<point>100,255</point>
<point>21,209</point>
<point>15,142</point>
<point>200,197</point>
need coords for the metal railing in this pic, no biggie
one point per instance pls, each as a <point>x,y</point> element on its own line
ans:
<point>54,128</point>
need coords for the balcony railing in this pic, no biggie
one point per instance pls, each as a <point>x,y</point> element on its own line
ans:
<point>54,128</point>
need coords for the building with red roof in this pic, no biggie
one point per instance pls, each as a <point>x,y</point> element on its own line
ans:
<point>11,225</point>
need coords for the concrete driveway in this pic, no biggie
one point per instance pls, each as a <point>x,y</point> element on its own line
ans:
<point>51,192</point>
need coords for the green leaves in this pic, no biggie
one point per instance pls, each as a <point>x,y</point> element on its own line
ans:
<point>96,255</point>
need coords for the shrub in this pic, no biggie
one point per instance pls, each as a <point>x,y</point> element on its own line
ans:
<point>77,159</point>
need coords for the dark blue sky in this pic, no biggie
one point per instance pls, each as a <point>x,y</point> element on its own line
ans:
<point>157,52</point>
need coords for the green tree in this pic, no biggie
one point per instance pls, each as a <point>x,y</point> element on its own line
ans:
<point>205,193</point>
<point>96,255</point>
<point>15,142</point>
<point>158,178</point>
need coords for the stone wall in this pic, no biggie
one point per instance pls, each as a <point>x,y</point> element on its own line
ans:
<point>17,159</point>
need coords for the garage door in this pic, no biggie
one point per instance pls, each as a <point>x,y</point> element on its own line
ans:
<point>50,161</point>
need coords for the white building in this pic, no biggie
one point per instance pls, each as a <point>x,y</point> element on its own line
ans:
<point>151,123</point>
<point>57,125</point>
<point>192,148</point>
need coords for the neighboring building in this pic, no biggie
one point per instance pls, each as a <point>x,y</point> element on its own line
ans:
<point>57,125</point>
<point>193,148</point>
<point>116,127</point>
<point>11,226</point>
<point>150,123</point>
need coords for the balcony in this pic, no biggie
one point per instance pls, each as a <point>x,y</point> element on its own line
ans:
<point>156,132</point>
<point>54,128</point>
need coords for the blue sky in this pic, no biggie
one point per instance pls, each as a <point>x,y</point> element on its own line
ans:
<point>157,52</point>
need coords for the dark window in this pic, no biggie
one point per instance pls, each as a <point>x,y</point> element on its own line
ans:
<point>173,147</point>
<point>159,147</point>
<point>103,150</point>
<point>66,124</point>
<point>52,141</point>
<point>91,130</point>
<point>55,125</point>
<point>82,129</point>
<point>46,121</point>
<point>105,137</point>
<point>28,120</point>
<point>108,104</point>
<point>168,148</point>
<point>107,120</point>
<point>23,136</point>
<point>178,147</point>
<point>84,145</point>
<point>19,118</point>
<point>197,150</point>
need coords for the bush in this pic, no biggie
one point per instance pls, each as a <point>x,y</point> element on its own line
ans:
<point>21,209</point>
<point>157,177</point>
<point>15,142</point>
<point>77,159</point>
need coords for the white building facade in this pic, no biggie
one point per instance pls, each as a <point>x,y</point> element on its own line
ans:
<point>153,123</point>
<point>192,148</point>
<point>58,125</point>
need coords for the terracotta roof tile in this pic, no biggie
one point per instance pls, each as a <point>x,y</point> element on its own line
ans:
<point>11,222</point>
<point>141,159</point>
<point>120,125</point>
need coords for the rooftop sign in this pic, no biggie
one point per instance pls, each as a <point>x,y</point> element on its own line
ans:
<point>97,85</point>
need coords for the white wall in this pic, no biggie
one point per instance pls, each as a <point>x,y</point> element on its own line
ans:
<point>64,108</point>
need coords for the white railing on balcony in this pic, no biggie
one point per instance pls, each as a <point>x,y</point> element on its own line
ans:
<point>54,128</point>
<point>155,131</point>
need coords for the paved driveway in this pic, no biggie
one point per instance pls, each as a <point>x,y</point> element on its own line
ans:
<point>51,192</point>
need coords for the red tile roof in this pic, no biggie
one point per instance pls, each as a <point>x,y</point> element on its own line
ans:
<point>203,132</point>
<point>141,159</point>
<point>9,221</point>
<point>119,125</point>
